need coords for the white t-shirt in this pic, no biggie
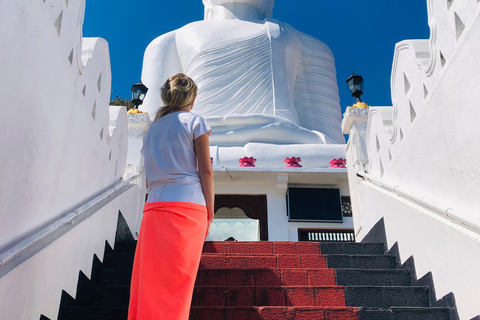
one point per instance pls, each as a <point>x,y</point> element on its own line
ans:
<point>170,160</point>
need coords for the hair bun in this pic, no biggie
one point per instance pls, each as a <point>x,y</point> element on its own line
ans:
<point>178,92</point>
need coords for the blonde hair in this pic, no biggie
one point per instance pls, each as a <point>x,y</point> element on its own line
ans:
<point>178,93</point>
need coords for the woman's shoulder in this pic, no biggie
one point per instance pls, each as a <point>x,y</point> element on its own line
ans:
<point>196,116</point>
<point>191,117</point>
<point>179,117</point>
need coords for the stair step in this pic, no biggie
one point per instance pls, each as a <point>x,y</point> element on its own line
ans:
<point>322,296</point>
<point>266,247</point>
<point>112,276</point>
<point>352,248</point>
<point>119,260</point>
<point>234,260</point>
<point>258,313</point>
<point>373,277</point>
<point>285,247</point>
<point>216,261</point>
<point>234,277</point>
<point>411,313</point>
<point>103,295</point>
<point>385,297</point>
<point>240,261</point>
<point>129,246</point>
<point>361,261</point>
<point>328,296</point>
<point>95,313</point>
<point>268,313</point>
<point>265,277</point>
<point>273,280</point>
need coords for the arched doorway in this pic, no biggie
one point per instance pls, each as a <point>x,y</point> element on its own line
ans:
<point>241,206</point>
<point>233,224</point>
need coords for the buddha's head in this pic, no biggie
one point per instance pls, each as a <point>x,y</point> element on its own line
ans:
<point>261,7</point>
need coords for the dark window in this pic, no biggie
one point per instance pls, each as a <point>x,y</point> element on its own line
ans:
<point>314,204</point>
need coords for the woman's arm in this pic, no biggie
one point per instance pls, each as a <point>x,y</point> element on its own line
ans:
<point>202,150</point>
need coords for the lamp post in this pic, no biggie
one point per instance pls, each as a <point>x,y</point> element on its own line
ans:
<point>139,90</point>
<point>355,84</point>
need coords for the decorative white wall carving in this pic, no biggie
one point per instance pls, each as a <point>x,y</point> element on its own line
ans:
<point>418,67</point>
<point>61,146</point>
<point>422,175</point>
<point>57,151</point>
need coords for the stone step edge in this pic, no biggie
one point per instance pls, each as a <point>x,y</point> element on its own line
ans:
<point>300,308</point>
<point>122,286</point>
<point>271,241</point>
<point>320,308</point>
<point>282,269</point>
<point>256,255</point>
<point>234,307</point>
<point>261,254</point>
<point>268,241</point>
<point>314,286</point>
<point>217,254</point>
<point>121,253</point>
<point>313,243</point>
<point>400,308</point>
<point>279,308</point>
<point>209,254</point>
<point>235,254</point>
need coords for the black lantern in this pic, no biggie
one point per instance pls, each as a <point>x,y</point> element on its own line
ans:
<point>355,84</point>
<point>139,90</point>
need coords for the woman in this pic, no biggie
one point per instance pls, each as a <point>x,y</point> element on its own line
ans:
<point>179,208</point>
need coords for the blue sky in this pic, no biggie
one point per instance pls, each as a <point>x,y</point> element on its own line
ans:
<point>362,34</point>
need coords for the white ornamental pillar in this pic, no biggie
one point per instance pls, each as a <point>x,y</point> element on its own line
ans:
<point>354,124</point>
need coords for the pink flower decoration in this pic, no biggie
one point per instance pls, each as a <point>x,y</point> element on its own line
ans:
<point>338,163</point>
<point>211,160</point>
<point>247,162</point>
<point>292,162</point>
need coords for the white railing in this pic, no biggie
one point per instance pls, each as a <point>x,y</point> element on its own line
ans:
<point>31,245</point>
<point>442,211</point>
<point>328,235</point>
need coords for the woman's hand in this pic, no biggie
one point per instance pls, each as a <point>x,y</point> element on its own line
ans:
<point>209,223</point>
<point>205,171</point>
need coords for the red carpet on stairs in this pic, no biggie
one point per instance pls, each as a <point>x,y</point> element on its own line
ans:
<point>267,281</point>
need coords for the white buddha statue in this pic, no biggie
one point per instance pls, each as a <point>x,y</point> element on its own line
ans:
<point>259,80</point>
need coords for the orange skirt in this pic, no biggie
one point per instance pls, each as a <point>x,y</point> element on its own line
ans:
<point>166,260</point>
